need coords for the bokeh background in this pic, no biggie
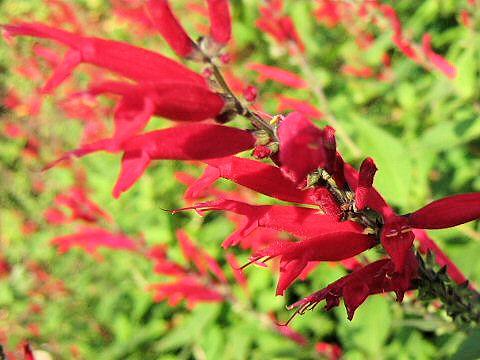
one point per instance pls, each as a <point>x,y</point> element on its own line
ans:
<point>417,119</point>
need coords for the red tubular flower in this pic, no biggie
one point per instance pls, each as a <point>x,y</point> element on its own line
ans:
<point>188,142</point>
<point>158,253</point>
<point>302,222</point>
<point>81,206</point>
<point>289,29</point>
<point>280,26</point>
<point>257,176</point>
<point>339,171</point>
<point>196,188</point>
<point>271,27</point>
<point>124,59</point>
<point>202,260</point>
<point>438,61</point>
<point>447,212</point>
<point>295,256</point>
<point>167,24</point>
<point>220,21</point>
<point>286,103</point>
<point>279,75</point>
<point>189,288</point>
<point>361,72</point>
<point>135,13</point>
<point>173,100</point>
<point>301,147</point>
<point>365,182</point>
<point>330,146</point>
<point>288,332</point>
<point>90,238</point>
<point>375,278</point>
<point>397,239</point>
<point>375,201</point>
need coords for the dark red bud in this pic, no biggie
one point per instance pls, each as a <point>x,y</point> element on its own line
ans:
<point>365,182</point>
<point>250,93</point>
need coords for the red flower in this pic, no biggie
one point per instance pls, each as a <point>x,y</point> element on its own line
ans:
<point>377,277</point>
<point>365,182</point>
<point>299,221</point>
<point>332,246</point>
<point>167,24</point>
<point>257,176</point>
<point>200,258</point>
<point>447,212</point>
<point>298,105</point>
<point>397,239</point>
<point>220,22</point>
<point>90,238</point>
<point>124,59</point>
<point>375,201</point>
<point>158,253</point>
<point>189,142</point>
<point>193,285</point>
<point>438,61</point>
<point>189,288</point>
<point>301,147</point>
<point>279,75</point>
<point>173,100</point>
<point>280,26</point>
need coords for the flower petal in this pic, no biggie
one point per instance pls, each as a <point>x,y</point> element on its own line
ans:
<point>220,22</point>
<point>333,246</point>
<point>124,59</point>
<point>299,221</point>
<point>167,24</point>
<point>365,182</point>
<point>438,61</point>
<point>279,75</point>
<point>90,238</point>
<point>447,212</point>
<point>262,178</point>
<point>397,239</point>
<point>301,147</point>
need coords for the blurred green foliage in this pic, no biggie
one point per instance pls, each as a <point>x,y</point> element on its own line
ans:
<point>422,129</point>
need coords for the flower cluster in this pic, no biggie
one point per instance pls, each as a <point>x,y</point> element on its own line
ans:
<point>334,211</point>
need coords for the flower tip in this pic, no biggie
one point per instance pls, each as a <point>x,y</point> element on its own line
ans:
<point>117,191</point>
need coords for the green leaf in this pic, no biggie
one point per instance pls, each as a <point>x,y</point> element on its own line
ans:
<point>466,80</point>
<point>393,178</point>
<point>370,327</point>
<point>470,348</point>
<point>448,134</point>
<point>194,325</point>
